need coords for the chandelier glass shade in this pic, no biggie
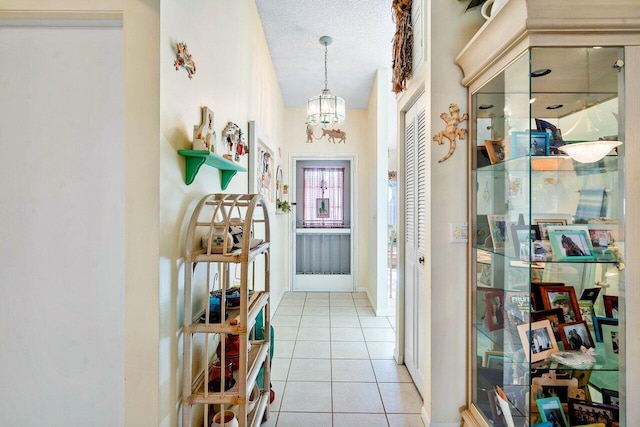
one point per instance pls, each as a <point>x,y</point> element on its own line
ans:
<point>326,108</point>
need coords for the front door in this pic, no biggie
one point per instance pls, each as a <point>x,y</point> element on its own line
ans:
<point>322,238</point>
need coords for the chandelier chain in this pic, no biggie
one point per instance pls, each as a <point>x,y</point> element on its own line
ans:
<point>325,66</point>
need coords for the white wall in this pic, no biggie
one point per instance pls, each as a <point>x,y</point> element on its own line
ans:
<point>235,79</point>
<point>445,287</point>
<point>62,224</point>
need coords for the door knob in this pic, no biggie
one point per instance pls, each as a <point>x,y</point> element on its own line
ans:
<point>421,260</point>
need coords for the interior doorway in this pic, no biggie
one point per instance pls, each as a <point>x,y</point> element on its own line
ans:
<point>323,238</point>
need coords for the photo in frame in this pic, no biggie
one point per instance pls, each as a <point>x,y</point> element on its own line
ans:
<point>599,322</point>
<point>537,340</point>
<point>550,386</point>
<point>498,229</point>
<point>587,312</point>
<point>610,306</point>
<point>494,304</point>
<point>262,178</point>
<point>493,359</point>
<point>522,237</point>
<point>544,223</point>
<point>563,297</point>
<point>575,335</point>
<point>519,307</point>
<point>583,412</point>
<point>536,295</point>
<point>495,151</point>
<point>610,397</point>
<point>496,411</point>
<point>571,245</point>
<point>551,410</point>
<point>554,316</point>
<point>610,338</point>
<point>524,143</point>
<point>590,294</point>
<point>322,207</point>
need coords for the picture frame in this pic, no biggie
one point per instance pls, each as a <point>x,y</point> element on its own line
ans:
<point>517,307</point>
<point>498,229</point>
<point>587,311</point>
<point>538,339</point>
<point>590,294</point>
<point>571,245</point>
<point>563,297</point>
<point>555,317</point>
<point>262,172</point>
<point>599,322</point>
<point>536,295</point>
<point>494,304</point>
<point>610,306</point>
<point>600,237</point>
<point>534,143</point>
<point>579,411</point>
<point>610,336</point>
<point>550,385</point>
<point>493,359</point>
<point>575,335</point>
<point>322,207</point>
<point>522,237</point>
<point>610,397</point>
<point>551,410</point>
<point>495,151</point>
<point>543,223</point>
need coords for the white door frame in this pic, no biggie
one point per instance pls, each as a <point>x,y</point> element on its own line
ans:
<point>352,159</point>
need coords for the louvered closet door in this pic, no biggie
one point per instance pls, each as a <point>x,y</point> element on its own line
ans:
<point>415,219</point>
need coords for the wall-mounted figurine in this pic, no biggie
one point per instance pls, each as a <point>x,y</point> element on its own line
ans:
<point>235,142</point>
<point>202,134</point>
<point>333,134</point>
<point>451,130</point>
<point>184,60</point>
<point>309,133</point>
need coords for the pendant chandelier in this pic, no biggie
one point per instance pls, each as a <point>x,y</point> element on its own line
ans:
<point>326,108</point>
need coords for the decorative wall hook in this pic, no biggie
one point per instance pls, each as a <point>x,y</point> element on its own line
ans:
<point>184,60</point>
<point>451,130</point>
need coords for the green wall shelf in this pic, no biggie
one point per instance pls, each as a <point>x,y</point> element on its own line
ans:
<point>196,158</point>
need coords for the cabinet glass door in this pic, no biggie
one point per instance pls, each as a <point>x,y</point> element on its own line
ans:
<point>548,239</point>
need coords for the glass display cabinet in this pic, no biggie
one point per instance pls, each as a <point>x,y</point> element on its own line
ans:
<point>547,192</point>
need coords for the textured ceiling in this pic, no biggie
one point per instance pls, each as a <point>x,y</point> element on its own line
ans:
<point>362,32</point>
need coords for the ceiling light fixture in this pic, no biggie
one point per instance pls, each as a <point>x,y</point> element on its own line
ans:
<point>326,108</point>
<point>590,151</point>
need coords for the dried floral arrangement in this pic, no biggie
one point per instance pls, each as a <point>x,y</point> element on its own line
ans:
<point>402,45</point>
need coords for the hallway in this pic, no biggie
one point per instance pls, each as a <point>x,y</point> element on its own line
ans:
<point>333,365</point>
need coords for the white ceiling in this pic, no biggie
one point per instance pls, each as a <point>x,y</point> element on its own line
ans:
<point>362,32</point>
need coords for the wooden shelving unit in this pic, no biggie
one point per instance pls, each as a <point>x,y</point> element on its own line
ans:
<point>226,231</point>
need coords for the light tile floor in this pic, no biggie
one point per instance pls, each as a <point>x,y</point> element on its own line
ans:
<point>333,365</point>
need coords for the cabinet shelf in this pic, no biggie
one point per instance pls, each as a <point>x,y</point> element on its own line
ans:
<point>194,159</point>
<point>256,357</point>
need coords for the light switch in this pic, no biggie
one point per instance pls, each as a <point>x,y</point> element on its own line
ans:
<point>459,232</point>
